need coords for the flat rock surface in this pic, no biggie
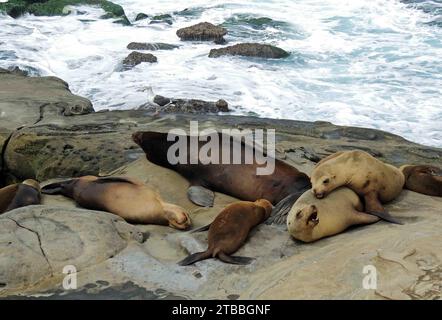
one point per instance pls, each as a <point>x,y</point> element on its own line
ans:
<point>37,242</point>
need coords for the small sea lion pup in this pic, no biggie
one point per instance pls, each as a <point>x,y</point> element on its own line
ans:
<point>311,219</point>
<point>423,179</point>
<point>229,231</point>
<point>125,197</point>
<point>20,195</point>
<point>283,186</point>
<point>372,179</point>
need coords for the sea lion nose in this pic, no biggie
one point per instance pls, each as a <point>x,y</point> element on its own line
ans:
<point>136,137</point>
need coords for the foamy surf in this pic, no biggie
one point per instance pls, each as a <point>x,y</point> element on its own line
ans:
<point>364,63</point>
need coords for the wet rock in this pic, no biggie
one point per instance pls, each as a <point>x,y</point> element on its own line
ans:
<point>250,50</point>
<point>135,58</point>
<point>141,16</point>
<point>154,46</point>
<point>161,101</point>
<point>203,31</point>
<point>163,18</point>
<point>16,8</point>
<point>169,105</point>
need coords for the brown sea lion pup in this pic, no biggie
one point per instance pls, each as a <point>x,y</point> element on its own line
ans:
<point>372,179</point>
<point>423,179</point>
<point>241,181</point>
<point>311,219</point>
<point>229,231</point>
<point>125,197</point>
<point>20,195</point>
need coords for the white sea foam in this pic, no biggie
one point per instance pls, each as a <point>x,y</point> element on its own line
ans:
<point>372,63</point>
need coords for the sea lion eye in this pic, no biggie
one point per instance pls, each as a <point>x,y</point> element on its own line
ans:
<point>326,181</point>
<point>299,214</point>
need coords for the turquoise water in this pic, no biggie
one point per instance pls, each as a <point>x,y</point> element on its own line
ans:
<point>364,63</point>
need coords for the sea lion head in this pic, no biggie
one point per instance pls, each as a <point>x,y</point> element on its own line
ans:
<point>301,223</point>
<point>323,182</point>
<point>177,217</point>
<point>32,183</point>
<point>266,205</point>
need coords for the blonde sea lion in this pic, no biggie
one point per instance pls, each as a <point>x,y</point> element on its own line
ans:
<point>423,179</point>
<point>311,219</point>
<point>20,195</point>
<point>372,179</point>
<point>125,197</point>
<point>229,231</point>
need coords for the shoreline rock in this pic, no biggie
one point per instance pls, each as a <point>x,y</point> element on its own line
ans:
<point>135,58</point>
<point>250,50</point>
<point>203,31</point>
<point>16,8</point>
<point>197,106</point>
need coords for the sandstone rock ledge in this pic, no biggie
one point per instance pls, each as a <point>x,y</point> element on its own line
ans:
<point>115,262</point>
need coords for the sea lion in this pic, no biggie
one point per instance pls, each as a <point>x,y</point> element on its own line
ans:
<point>281,187</point>
<point>20,195</point>
<point>229,231</point>
<point>423,179</point>
<point>372,179</point>
<point>311,219</point>
<point>125,197</point>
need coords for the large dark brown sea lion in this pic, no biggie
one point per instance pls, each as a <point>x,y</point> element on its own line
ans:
<point>372,179</point>
<point>237,180</point>
<point>20,195</point>
<point>229,231</point>
<point>128,198</point>
<point>311,218</point>
<point>423,179</point>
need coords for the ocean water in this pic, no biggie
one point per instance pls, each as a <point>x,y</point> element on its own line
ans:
<point>371,63</point>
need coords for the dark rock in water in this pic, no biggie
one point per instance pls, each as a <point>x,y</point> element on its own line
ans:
<point>161,101</point>
<point>135,58</point>
<point>16,8</point>
<point>250,50</point>
<point>254,22</point>
<point>188,105</point>
<point>203,31</point>
<point>190,12</point>
<point>151,46</point>
<point>18,71</point>
<point>141,16</point>
<point>163,18</point>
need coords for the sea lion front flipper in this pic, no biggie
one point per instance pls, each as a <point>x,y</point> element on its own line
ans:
<point>201,196</point>
<point>55,188</point>
<point>234,259</point>
<point>282,209</point>
<point>374,207</point>
<point>191,259</point>
<point>201,229</point>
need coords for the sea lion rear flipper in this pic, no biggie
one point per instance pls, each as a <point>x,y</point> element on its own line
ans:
<point>201,229</point>
<point>201,196</point>
<point>374,207</point>
<point>234,259</point>
<point>384,215</point>
<point>282,209</point>
<point>191,259</point>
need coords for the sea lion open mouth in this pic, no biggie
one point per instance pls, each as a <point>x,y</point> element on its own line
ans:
<point>313,218</point>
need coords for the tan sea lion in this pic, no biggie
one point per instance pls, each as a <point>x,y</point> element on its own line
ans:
<point>311,219</point>
<point>20,195</point>
<point>125,197</point>
<point>229,231</point>
<point>372,179</point>
<point>423,179</point>
<point>282,187</point>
